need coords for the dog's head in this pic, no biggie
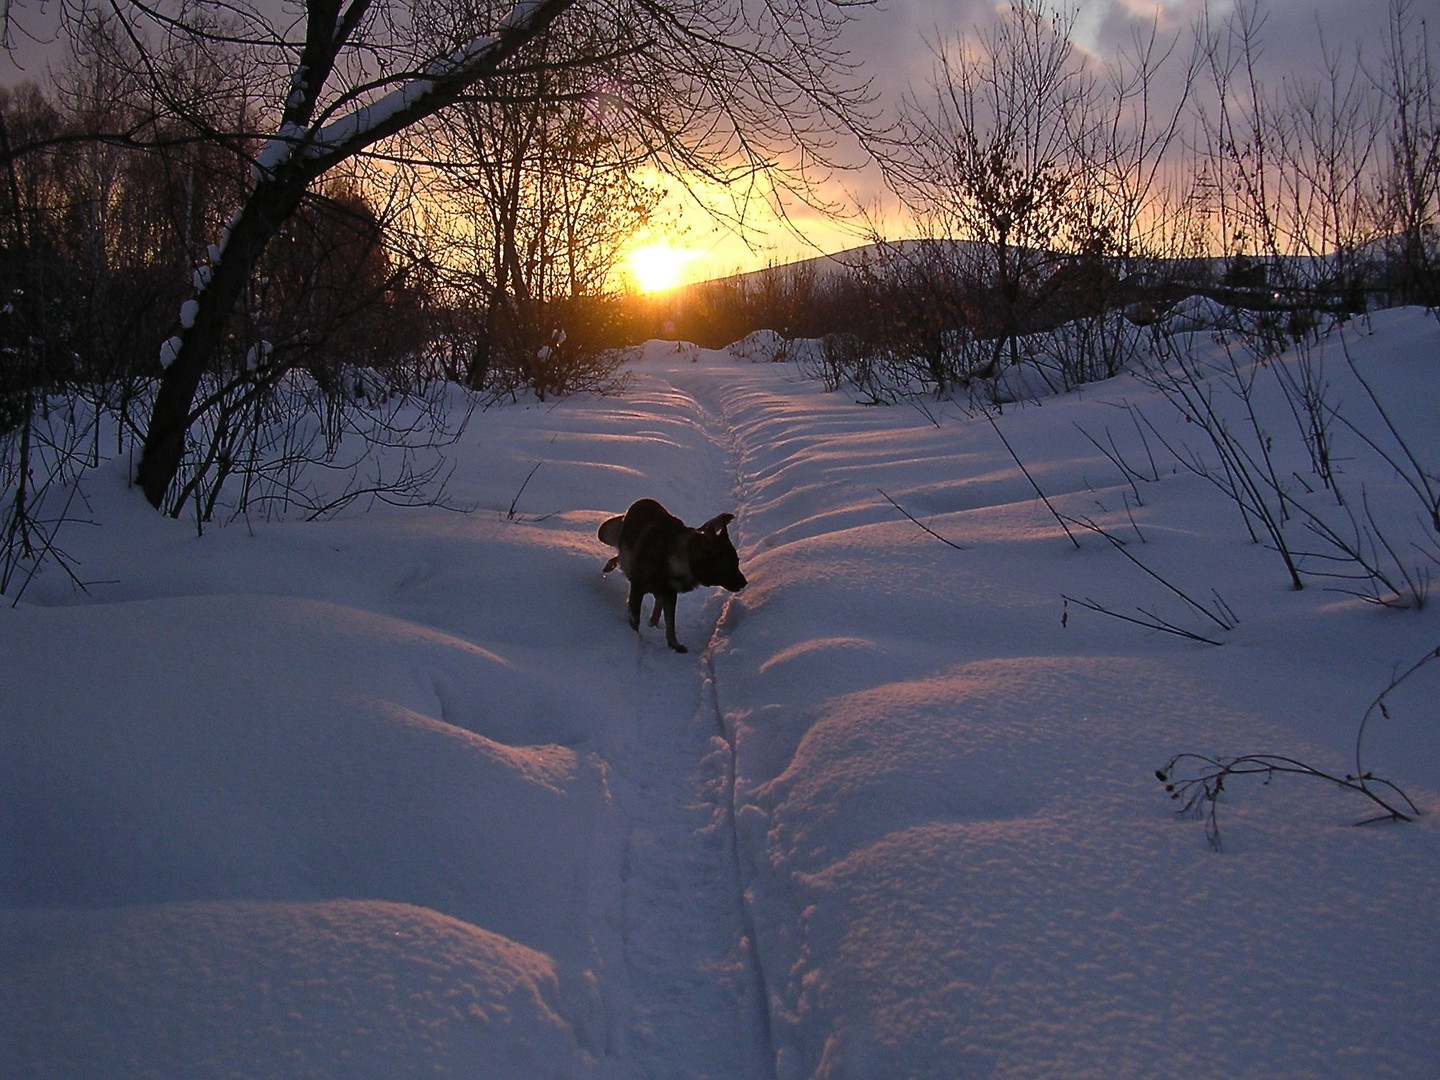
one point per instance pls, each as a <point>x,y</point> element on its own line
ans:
<point>712,556</point>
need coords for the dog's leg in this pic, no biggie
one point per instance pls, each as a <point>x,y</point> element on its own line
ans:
<point>670,623</point>
<point>655,614</point>
<point>633,603</point>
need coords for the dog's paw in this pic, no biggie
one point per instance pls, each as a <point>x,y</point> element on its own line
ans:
<point>679,648</point>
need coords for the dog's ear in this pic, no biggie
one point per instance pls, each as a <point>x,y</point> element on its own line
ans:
<point>717,524</point>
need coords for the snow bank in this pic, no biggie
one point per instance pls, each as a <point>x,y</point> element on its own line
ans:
<point>402,791</point>
<point>958,859</point>
<point>247,988</point>
<point>316,799</point>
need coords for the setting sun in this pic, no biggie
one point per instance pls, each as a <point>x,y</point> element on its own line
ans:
<point>657,267</point>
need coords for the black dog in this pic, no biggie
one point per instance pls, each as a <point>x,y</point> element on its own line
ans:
<point>664,557</point>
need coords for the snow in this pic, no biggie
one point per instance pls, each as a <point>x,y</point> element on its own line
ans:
<point>300,78</point>
<point>413,991</point>
<point>520,14</point>
<point>354,129</point>
<point>276,152</point>
<point>400,792</point>
<point>169,350</point>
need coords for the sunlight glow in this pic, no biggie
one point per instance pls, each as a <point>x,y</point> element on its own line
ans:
<point>657,267</point>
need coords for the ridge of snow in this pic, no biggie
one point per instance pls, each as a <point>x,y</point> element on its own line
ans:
<point>402,791</point>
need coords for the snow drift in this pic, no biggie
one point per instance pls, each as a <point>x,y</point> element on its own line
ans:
<point>401,792</point>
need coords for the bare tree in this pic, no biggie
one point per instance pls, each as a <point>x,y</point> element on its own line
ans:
<point>991,155</point>
<point>729,87</point>
<point>314,135</point>
<point>541,200</point>
<point>1236,136</point>
<point>1044,169</point>
<point>1410,84</point>
<point>101,201</point>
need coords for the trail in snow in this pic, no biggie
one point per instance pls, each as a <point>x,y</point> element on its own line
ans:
<point>697,1003</point>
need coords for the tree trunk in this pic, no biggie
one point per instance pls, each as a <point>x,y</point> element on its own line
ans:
<point>280,188</point>
<point>267,209</point>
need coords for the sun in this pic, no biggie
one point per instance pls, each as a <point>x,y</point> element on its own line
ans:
<point>657,267</point>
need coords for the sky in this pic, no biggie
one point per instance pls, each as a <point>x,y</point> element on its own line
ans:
<point>890,40</point>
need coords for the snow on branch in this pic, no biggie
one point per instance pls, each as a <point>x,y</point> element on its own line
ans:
<point>420,96</point>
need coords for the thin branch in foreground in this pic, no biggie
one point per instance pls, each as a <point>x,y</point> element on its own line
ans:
<point>1223,616</point>
<point>920,524</point>
<point>510,514</point>
<point>1378,705</point>
<point>1197,781</point>
<point>1151,621</point>
<point>1016,458</point>
<point>1416,477</point>
<point>1113,454</point>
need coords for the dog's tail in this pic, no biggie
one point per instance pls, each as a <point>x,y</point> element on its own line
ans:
<point>610,531</point>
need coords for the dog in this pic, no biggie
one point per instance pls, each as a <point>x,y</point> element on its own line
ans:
<point>662,556</point>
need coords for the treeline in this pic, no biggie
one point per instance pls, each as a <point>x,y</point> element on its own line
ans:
<point>103,243</point>
<point>114,203</point>
<point>211,272</point>
<point>1048,193</point>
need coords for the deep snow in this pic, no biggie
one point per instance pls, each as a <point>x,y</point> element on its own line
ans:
<point>401,792</point>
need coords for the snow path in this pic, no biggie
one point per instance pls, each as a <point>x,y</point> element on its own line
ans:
<point>693,1012</point>
<point>698,1006</point>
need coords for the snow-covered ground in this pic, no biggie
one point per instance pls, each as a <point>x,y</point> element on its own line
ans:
<point>401,792</point>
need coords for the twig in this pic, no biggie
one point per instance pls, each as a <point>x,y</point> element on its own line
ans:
<point>1197,781</point>
<point>1378,705</point>
<point>1225,622</point>
<point>1128,473</point>
<point>1016,458</point>
<point>1130,513</point>
<point>1416,477</point>
<point>1144,440</point>
<point>510,514</point>
<point>1151,622</point>
<point>1199,788</point>
<point>921,524</point>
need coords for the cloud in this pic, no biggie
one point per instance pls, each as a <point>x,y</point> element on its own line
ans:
<point>890,40</point>
<point>1290,34</point>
